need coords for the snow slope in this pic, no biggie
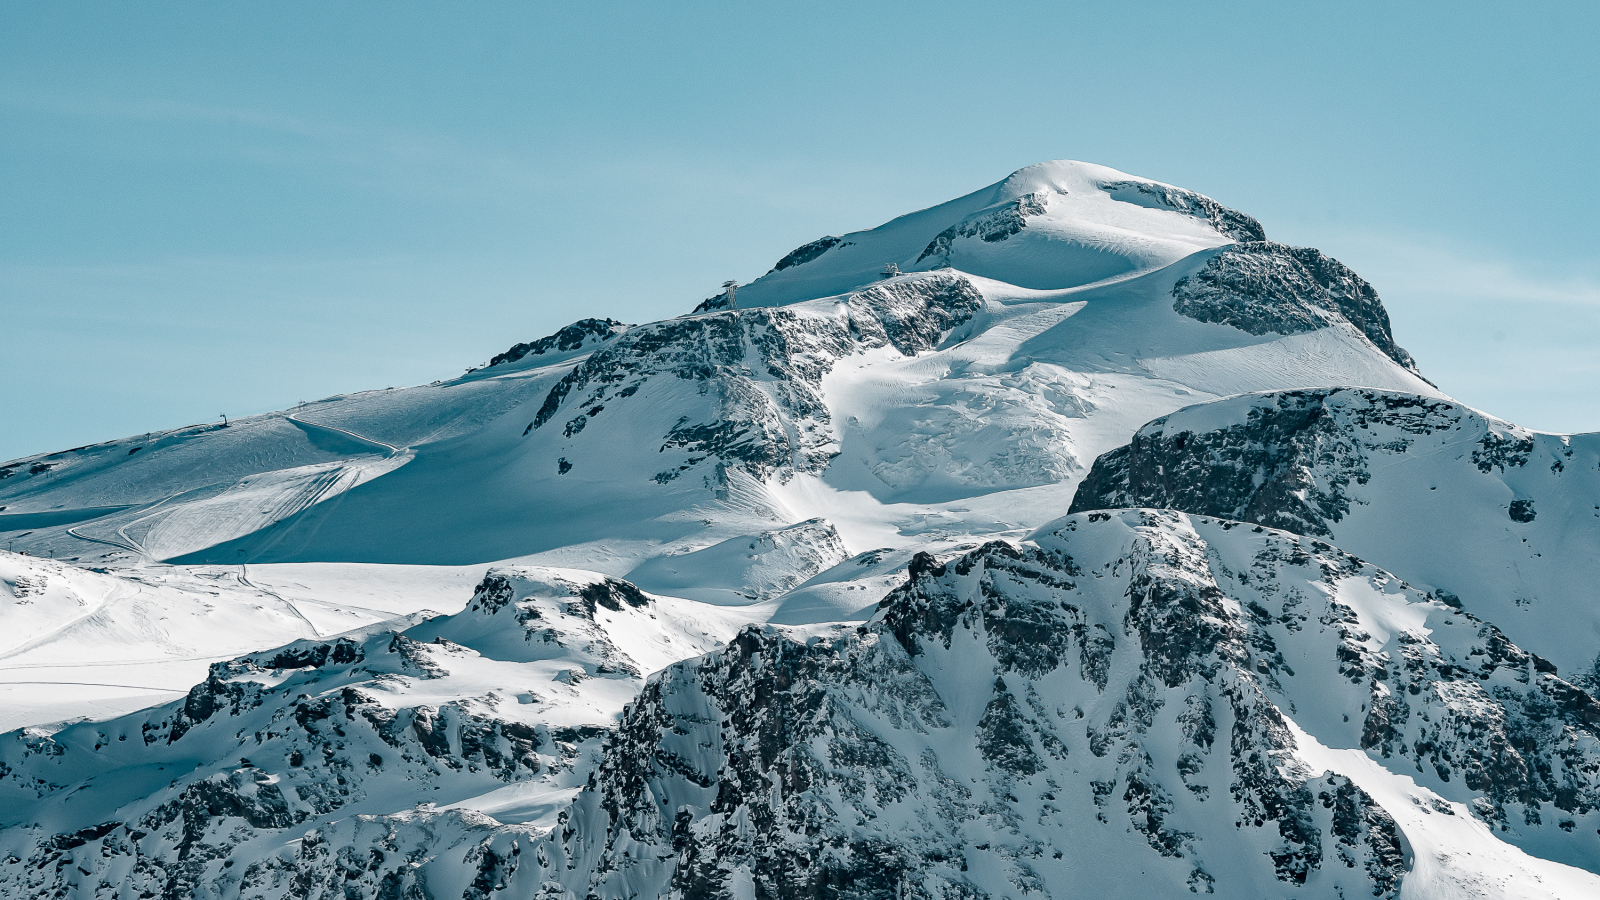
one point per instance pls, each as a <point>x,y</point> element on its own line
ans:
<point>1054,225</point>
<point>100,643</point>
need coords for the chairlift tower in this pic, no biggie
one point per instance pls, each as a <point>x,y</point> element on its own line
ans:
<point>730,289</point>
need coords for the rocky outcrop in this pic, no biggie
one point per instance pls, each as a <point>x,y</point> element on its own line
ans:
<point>763,368</point>
<point>990,225</point>
<point>1288,459</point>
<point>1263,287</point>
<point>808,252</point>
<point>580,335</point>
<point>1230,222</point>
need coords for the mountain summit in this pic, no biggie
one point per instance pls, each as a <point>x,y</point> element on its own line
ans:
<point>1050,226</point>
<point>1067,538</point>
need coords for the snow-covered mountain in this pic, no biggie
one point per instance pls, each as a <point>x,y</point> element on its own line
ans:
<point>1188,697</point>
<point>778,600</point>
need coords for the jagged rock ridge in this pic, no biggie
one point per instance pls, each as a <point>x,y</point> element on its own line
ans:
<point>1136,709</point>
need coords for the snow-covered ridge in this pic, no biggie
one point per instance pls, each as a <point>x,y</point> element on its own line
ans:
<point>497,707</point>
<point>1496,518</point>
<point>1049,226</point>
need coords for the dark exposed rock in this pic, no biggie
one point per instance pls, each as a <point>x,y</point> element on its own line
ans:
<point>1003,736</point>
<point>306,655</point>
<point>1261,287</point>
<point>612,593</point>
<point>1230,222</point>
<point>808,252</point>
<point>1502,451</point>
<point>492,593</point>
<point>1289,465</point>
<point>580,334</point>
<point>991,225</point>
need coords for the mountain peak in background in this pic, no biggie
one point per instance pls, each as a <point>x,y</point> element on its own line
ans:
<point>1049,226</point>
<point>1069,537</point>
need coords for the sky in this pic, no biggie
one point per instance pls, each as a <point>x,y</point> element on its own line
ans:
<point>228,208</point>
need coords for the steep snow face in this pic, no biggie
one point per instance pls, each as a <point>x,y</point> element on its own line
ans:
<point>1054,225</point>
<point>497,709</point>
<point>1498,519</point>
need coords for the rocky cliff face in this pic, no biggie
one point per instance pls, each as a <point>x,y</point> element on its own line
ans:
<point>1289,464</point>
<point>1260,286</point>
<point>1500,519</point>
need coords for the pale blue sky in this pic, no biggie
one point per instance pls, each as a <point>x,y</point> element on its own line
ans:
<point>211,208</point>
